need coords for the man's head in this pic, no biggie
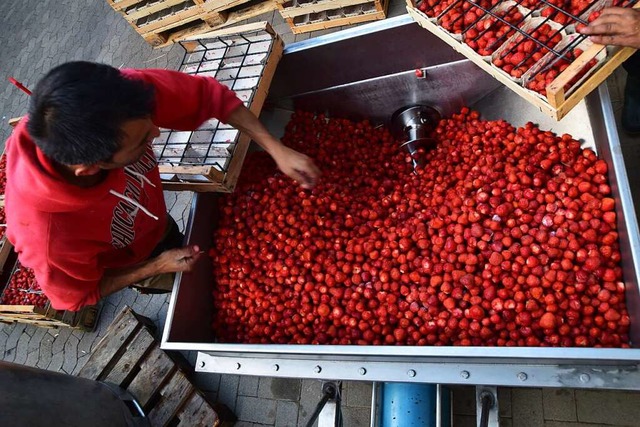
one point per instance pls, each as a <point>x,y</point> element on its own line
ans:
<point>89,114</point>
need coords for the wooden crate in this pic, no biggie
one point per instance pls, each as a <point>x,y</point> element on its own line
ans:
<point>320,15</point>
<point>130,357</point>
<point>162,22</point>
<point>556,104</point>
<point>178,170</point>
<point>228,13</point>
<point>85,319</point>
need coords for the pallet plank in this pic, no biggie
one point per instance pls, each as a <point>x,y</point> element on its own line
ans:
<point>156,368</point>
<point>120,332</point>
<point>136,350</point>
<point>319,6</point>
<point>197,412</point>
<point>174,394</point>
<point>376,14</point>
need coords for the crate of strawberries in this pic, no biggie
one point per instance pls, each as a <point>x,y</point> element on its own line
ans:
<point>531,46</point>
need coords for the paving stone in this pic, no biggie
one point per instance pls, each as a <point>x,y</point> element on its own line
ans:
<point>21,349</point>
<point>60,339</point>
<point>608,407</point>
<point>279,388</point>
<point>70,354</point>
<point>567,424</point>
<point>310,395</point>
<point>15,331</point>
<point>356,417</point>
<point>32,358</point>
<point>4,336</point>
<point>357,393</point>
<point>248,385</point>
<point>34,342</point>
<point>504,401</point>
<point>559,404</point>
<point>286,413</point>
<point>45,354</point>
<point>56,362</point>
<point>228,391</point>
<point>526,406</point>
<point>207,381</point>
<point>464,420</point>
<point>86,342</point>
<point>464,400</point>
<point>256,410</point>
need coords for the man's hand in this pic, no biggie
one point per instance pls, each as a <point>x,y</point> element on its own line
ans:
<point>618,26</point>
<point>296,166</point>
<point>179,259</point>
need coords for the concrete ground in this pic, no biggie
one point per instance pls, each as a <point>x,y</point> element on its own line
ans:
<point>36,35</point>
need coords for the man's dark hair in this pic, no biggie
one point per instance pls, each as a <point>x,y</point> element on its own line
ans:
<point>77,110</point>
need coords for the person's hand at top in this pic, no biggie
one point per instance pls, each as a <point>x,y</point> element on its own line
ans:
<point>296,166</point>
<point>618,26</point>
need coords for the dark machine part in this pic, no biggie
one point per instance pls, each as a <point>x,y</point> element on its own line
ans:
<point>413,125</point>
<point>31,396</point>
<point>330,392</point>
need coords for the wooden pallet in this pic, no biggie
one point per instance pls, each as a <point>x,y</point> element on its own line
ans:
<point>209,178</point>
<point>130,357</point>
<point>293,8</point>
<point>162,22</point>
<point>356,13</point>
<point>229,13</point>
<point>556,104</point>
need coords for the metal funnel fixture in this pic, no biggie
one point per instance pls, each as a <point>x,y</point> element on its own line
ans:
<point>413,125</point>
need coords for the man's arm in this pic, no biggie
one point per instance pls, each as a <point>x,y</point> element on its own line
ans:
<point>291,162</point>
<point>171,261</point>
<point>619,26</point>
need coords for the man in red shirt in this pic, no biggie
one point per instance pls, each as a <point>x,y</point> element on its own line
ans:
<point>84,202</point>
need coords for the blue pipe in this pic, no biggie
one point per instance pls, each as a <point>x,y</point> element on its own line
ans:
<point>413,405</point>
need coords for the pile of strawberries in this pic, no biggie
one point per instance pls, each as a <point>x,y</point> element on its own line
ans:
<point>505,237</point>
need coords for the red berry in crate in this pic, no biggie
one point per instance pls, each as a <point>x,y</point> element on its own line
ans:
<point>23,289</point>
<point>521,54</point>
<point>543,79</point>
<point>500,239</point>
<point>464,15</point>
<point>592,17</point>
<point>489,33</point>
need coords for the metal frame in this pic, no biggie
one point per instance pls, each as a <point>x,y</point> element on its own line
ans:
<point>505,366</point>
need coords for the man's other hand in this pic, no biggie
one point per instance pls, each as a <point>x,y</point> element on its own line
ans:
<point>179,259</point>
<point>618,26</point>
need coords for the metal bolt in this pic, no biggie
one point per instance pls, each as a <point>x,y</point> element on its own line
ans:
<point>317,369</point>
<point>276,367</point>
<point>585,378</point>
<point>465,374</point>
<point>522,376</point>
<point>411,373</point>
<point>202,364</point>
<point>362,371</point>
<point>238,366</point>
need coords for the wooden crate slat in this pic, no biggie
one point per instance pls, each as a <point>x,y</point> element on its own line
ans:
<point>124,369</point>
<point>249,12</point>
<point>156,368</point>
<point>174,394</point>
<point>319,6</point>
<point>197,412</point>
<point>218,5</point>
<point>120,332</point>
<point>123,4</point>
<point>338,22</point>
<point>145,11</point>
<point>46,323</point>
<point>171,21</point>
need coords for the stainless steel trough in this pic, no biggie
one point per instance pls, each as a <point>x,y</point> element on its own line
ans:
<point>369,72</point>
